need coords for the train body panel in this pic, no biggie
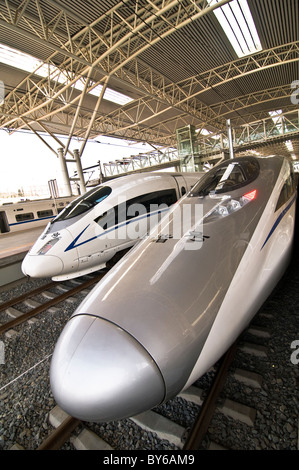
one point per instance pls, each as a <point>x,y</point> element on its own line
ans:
<point>107,219</point>
<point>183,295</point>
<point>255,279</point>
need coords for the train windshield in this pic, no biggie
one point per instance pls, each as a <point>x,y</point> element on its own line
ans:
<point>84,203</point>
<point>226,177</point>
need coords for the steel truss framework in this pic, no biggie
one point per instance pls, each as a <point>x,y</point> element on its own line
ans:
<point>246,138</point>
<point>108,48</point>
<point>131,119</point>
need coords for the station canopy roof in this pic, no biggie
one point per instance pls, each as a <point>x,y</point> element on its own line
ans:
<point>142,69</point>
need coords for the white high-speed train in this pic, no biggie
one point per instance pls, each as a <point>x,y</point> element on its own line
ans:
<point>23,215</point>
<point>172,306</point>
<point>109,218</point>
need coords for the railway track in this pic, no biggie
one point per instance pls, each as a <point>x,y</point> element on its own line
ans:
<point>50,300</point>
<point>194,419</point>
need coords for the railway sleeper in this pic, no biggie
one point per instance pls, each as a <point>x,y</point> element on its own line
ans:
<point>163,427</point>
<point>86,439</point>
<point>13,312</point>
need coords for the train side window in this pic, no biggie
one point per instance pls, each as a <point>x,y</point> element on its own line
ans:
<point>286,192</point>
<point>151,201</point>
<point>45,213</point>
<point>167,196</point>
<point>293,181</point>
<point>23,217</point>
<point>125,211</point>
<point>282,197</point>
<point>108,219</point>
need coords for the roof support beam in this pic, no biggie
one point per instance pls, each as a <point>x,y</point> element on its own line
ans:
<point>195,86</point>
<point>93,117</point>
<point>89,49</point>
<point>40,137</point>
<point>141,34</point>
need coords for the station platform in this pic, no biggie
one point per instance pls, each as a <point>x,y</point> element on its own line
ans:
<point>13,248</point>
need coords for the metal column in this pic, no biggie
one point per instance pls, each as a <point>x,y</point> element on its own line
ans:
<point>65,176</point>
<point>80,171</point>
<point>230,138</point>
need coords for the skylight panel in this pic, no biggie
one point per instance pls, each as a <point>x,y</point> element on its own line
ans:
<point>30,64</point>
<point>236,21</point>
<point>203,131</point>
<point>289,146</point>
<point>18,59</point>
<point>276,115</point>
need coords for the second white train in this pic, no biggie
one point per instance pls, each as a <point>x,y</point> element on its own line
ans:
<point>107,219</point>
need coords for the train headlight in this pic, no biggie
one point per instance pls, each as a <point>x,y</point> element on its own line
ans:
<point>228,206</point>
<point>222,210</point>
<point>235,205</point>
<point>47,247</point>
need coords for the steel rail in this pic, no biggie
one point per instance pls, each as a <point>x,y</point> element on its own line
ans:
<point>50,303</point>
<point>25,296</point>
<point>58,437</point>
<point>202,422</point>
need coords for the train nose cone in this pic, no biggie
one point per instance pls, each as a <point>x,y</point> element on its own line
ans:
<point>41,266</point>
<point>101,373</point>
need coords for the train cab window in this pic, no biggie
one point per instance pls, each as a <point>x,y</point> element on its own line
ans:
<point>134,207</point>
<point>23,217</point>
<point>227,177</point>
<point>84,203</point>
